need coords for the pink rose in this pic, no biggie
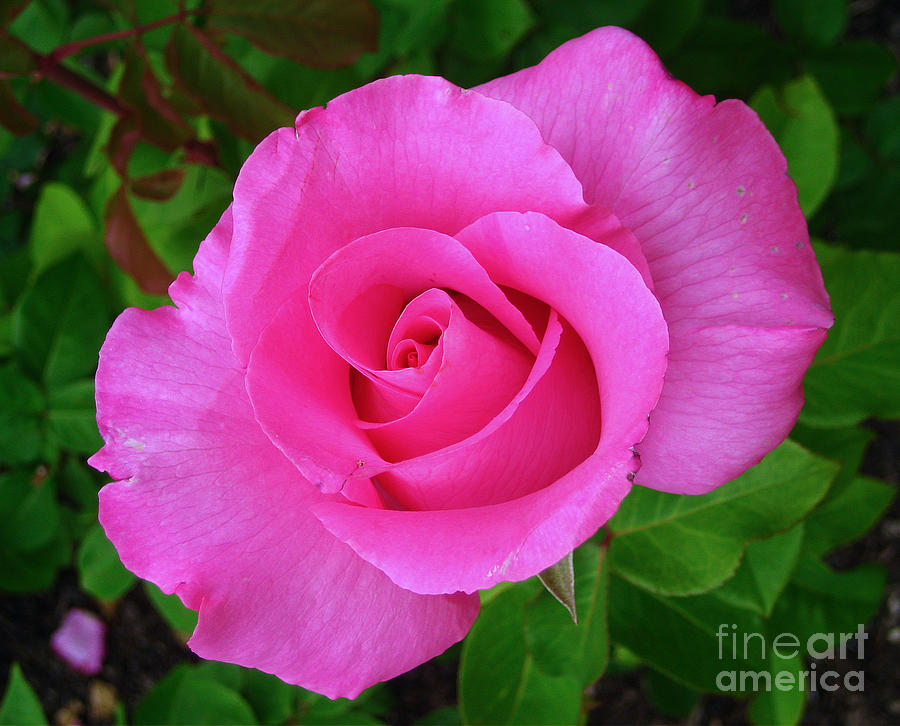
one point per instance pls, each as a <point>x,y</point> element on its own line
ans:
<point>419,348</point>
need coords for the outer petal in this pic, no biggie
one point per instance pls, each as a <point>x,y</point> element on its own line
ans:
<point>605,300</point>
<point>208,508</point>
<point>405,151</point>
<point>757,397</point>
<point>704,189</point>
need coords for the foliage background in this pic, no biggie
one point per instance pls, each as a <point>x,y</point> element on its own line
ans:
<point>118,157</point>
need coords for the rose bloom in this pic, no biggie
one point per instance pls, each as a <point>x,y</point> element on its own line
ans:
<point>419,351</point>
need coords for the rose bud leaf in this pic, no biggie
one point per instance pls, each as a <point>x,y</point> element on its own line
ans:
<point>561,647</point>
<point>560,582</point>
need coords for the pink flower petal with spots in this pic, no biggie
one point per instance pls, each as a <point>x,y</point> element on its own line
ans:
<point>704,189</point>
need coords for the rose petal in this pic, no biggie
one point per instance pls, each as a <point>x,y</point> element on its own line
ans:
<point>550,426</point>
<point>406,260</point>
<point>208,508</point>
<point>406,151</point>
<point>79,641</point>
<point>298,383</point>
<point>752,404</point>
<point>605,300</point>
<point>704,189</point>
<point>482,368</point>
<point>390,394</point>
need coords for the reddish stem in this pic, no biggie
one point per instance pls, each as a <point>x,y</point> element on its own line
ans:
<point>53,71</point>
<point>64,51</point>
<point>49,66</point>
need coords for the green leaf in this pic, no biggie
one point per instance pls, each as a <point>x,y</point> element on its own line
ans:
<point>228,674</point>
<point>764,571</point>
<point>499,681</point>
<point>847,516</point>
<point>72,418</point>
<point>80,484</point>
<point>581,16</point>
<point>222,88</point>
<point>680,545</point>
<point>688,639</point>
<point>129,247</point>
<point>41,24</point>
<point>35,570</point>
<point>856,373</point>
<point>847,445</point>
<point>149,11</point>
<point>820,600</point>
<point>100,571</point>
<point>91,24</point>
<point>49,100</point>
<point>347,718</point>
<point>866,215</point>
<point>445,716</point>
<point>35,520</point>
<point>62,225</point>
<point>314,708</point>
<point>33,545</point>
<point>802,122</point>
<point>317,33</point>
<point>668,696</point>
<point>883,128</point>
<point>408,26</point>
<point>174,228</point>
<point>271,698</point>
<point>853,74</point>
<point>814,22</point>
<point>666,23</point>
<point>560,646</point>
<point>20,706</point>
<point>783,703</point>
<point>61,322</point>
<point>850,507</point>
<point>9,9</point>
<point>486,31</point>
<point>855,164</point>
<point>181,619</point>
<point>185,696</point>
<point>13,115</point>
<point>21,405</point>
<point>560,582</point>
<point>731,59</point>
<point>161,185</point>
<point>15,266</point>
<point>15,58</point>
<point>159,122</point>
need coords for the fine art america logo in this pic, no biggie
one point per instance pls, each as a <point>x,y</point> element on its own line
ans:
<point>750,647</point>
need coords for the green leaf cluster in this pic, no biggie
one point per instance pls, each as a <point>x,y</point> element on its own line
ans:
<point>220,693</point>
<point>676,583</point>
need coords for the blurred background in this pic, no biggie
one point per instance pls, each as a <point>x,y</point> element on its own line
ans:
<point>123,124</point>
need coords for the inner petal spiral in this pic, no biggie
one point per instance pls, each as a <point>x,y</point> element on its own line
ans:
<point>471,372</point>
